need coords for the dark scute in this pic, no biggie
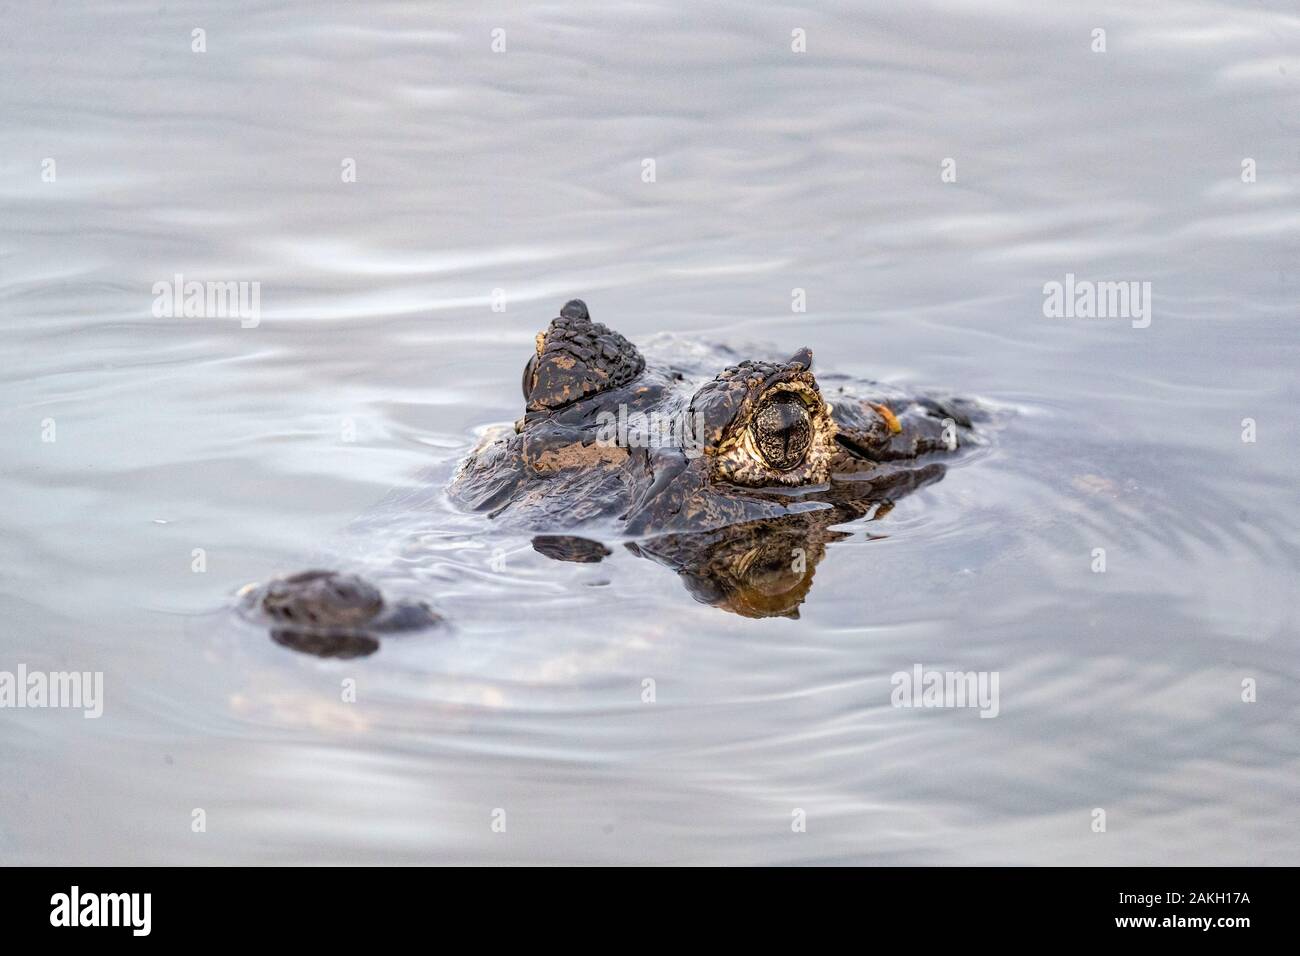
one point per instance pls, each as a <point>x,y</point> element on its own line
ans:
<point>575,309</point>
<point>565,547</point>
<point>580,358</point>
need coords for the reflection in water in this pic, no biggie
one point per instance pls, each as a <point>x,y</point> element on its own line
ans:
<point>340,644</point>
<point>766,568</point>
<point>566,547</point>
<point>763,569</point>
<point>759,568</point>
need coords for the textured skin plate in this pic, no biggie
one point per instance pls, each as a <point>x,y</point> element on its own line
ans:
<point>576,359</point>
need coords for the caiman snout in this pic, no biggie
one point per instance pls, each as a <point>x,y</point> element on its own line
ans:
<point>331,614</point>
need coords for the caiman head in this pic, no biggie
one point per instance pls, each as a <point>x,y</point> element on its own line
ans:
<point>758,424</point>
<point>715,482</point>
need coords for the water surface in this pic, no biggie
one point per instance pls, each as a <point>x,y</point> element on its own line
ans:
<point>379,358</point>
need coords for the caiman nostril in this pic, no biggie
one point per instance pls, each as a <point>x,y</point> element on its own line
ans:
<point>575,309</point>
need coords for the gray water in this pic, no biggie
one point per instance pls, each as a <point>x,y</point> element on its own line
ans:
<point>378,357</point>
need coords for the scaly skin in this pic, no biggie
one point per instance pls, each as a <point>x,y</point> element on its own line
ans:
<point>556,471</point>
<point>769,465</point>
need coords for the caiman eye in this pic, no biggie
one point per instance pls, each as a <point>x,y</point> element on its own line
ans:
<point>782,431</point>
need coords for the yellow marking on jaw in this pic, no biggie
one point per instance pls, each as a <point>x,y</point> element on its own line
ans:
<point>890,418</point>
<point>578,455</point>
